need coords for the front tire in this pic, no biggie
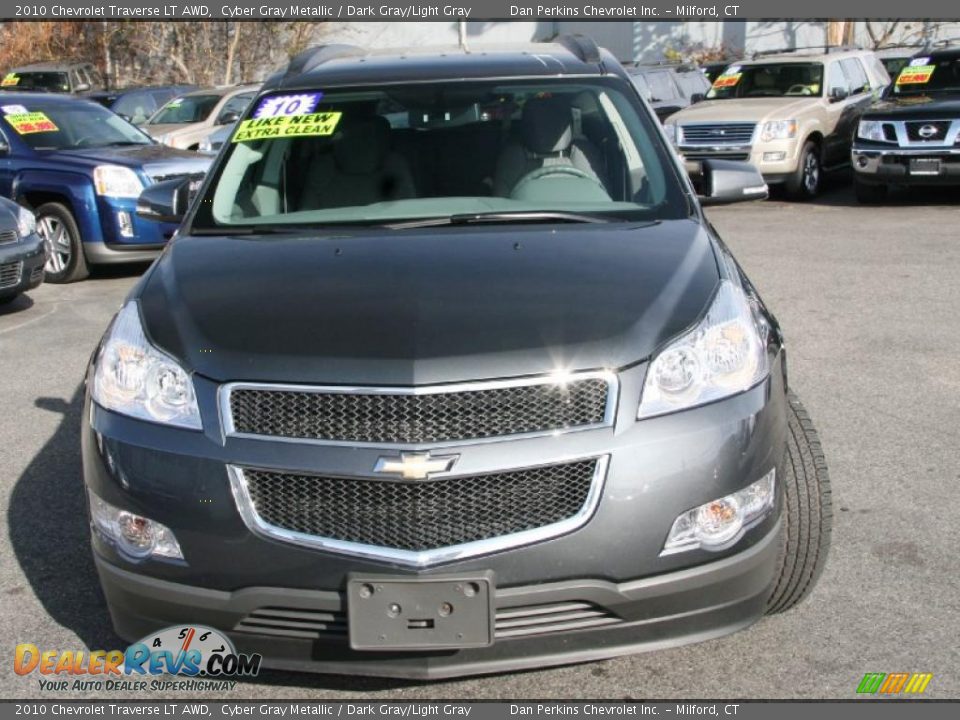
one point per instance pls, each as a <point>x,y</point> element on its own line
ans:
<point>65,259</point>
<point>808,512</point>
<point>869,194</point>
<point>804,183</point>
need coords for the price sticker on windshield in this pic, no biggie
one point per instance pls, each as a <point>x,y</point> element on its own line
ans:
<point>916,75</point>
<point>286,105</point>
<point>725,81</point>
<point>34,122</point>
<point>322,124</point>
<point>9,80</point>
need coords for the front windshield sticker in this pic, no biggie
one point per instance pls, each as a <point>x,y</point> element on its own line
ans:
<point>14,110</point>
<point>279,105</point>
<point>917,75</point>
<point>725,81</point>
<point>314,125</point>
<point>916,62</point>
<point>31,122</point>
<point>9,79</point>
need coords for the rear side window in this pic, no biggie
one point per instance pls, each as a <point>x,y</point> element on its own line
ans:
<point>661,86</point>
<point>856,76</point>
<point>136,107</point>
<point>693,83</point>
<point>235,105</point>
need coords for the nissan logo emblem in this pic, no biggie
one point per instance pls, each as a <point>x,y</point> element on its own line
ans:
<point>927,131</point>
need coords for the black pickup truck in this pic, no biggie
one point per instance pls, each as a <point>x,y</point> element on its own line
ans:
<point>912,137</point>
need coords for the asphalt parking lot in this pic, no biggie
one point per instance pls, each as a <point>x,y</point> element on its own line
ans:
<point>869,301</point>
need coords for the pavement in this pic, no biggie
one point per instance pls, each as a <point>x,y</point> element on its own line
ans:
<point>868,298</point>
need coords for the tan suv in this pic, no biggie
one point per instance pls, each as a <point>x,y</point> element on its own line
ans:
<point>792,115</point>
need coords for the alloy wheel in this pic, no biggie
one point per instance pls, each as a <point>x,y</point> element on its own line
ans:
<point>58,242</point>
<point>811,173</point>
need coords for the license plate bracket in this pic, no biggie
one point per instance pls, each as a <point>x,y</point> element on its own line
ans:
<point>444,612</point>
<point>924,166</point>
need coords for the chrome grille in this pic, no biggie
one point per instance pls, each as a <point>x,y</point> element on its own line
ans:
<point>716,134</point>
<point>10,274</point>
<point>510,622</point>
<point>8,236</point>
<point>430,415</point>
<point>420,522</point>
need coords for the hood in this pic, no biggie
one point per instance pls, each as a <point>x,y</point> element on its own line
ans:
<point>421,307</point>
<point>917,107</point>
<point>745,110</point>
<point>156,161</point>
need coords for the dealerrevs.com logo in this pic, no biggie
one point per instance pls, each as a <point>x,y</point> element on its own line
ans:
<point>899,683</point>
<point>203,656</point>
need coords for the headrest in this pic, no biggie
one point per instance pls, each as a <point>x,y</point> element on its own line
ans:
<point>362,145</point>
<point>547,125</point>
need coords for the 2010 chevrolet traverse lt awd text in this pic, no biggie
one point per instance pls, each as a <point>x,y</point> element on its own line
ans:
<point>447,373</point>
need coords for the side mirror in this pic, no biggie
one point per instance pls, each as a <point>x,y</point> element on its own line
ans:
<point>697,97</point>
<point>81,87</point>
<point>166,201</point>
<point>730,181</point>
<point>228,118</point>
<point>838,93</point>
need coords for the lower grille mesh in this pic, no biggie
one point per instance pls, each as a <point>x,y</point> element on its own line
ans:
<point>510,622</point>
<point>425,515</point>
<point>10,274</point>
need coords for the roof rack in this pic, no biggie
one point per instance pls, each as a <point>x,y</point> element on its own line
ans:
<point>820,48</point>
<point>317,55</point>
<point>583,46</point>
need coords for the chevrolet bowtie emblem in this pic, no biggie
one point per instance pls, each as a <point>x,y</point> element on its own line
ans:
<point>415,466</point>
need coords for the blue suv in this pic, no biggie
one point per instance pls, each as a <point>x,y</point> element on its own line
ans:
<point>81,168</point>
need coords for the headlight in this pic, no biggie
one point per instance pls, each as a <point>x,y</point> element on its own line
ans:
<point>116,181</point>
<point>134,378</point>
<point>723,355</point>
<point>871,130</point>
<point>778,130</point>
<point>674,133</point>
<point>26,222</point>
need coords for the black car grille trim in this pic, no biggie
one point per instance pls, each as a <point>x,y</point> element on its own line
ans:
<point>701,155</point>
<point>415,416</point>
<point>718,134</point>
<point>942,127</point>
<point>513,622</point>
<point>8,237</point>
<point>423,522</point>
<point>10,273</point>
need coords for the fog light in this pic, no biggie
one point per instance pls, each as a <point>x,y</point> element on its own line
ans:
<point>862,161</point>
<point>125,222</point>
<point>774,156</point>
<point>720,523</point>
<point>133,535</point>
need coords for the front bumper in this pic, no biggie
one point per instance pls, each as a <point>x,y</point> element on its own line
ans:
<point>883,166</point>
<point>776,160</point>
<point>610,568</point>
<point>21,265</point>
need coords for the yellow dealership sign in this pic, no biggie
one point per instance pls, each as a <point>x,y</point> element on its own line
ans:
<point>319,124</point>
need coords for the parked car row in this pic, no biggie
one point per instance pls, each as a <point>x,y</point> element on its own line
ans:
<point>799,115</point>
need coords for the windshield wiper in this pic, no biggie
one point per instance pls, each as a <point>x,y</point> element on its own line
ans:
<point>532,216</point>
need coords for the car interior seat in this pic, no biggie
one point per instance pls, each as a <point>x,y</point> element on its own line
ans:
<point>546,139</point>
<point>359,168</point>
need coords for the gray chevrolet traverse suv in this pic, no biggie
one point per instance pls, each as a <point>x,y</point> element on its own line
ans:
<point>447,373</point>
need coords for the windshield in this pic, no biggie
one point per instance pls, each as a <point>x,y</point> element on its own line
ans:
<point>925,74</point>
<point>46,81</point>
<point>70,125</point>
<point>372,156</point>
<point>768,80</point>
<point>187,109</point>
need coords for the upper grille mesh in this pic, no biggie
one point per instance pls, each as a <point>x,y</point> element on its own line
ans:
<point>419,516</point>
<point>426,418</point>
